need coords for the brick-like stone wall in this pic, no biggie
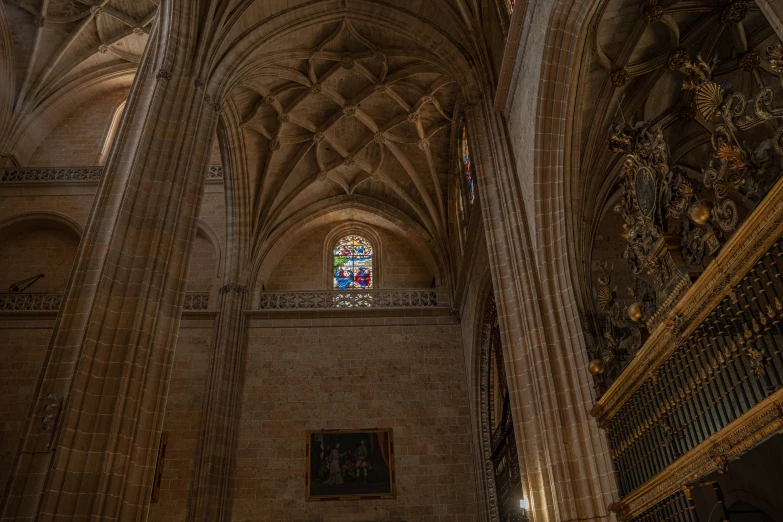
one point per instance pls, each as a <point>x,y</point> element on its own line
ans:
<point>79,139</point>
<point>23,346</point>
<point>203,265</point>
<point>182,420</point>
<point>48,251</point>
<point>410,378</point>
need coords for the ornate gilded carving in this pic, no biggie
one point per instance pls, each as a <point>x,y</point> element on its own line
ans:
<point>735,12</point>
<point>749,61</point>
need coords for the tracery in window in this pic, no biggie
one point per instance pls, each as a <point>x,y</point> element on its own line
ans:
<point>352,263</point>
<point>467,166</point>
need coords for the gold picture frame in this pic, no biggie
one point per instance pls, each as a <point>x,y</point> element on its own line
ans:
<point>350,465</point>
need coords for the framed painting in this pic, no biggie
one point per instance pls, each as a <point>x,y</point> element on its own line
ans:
<point>350,465</point>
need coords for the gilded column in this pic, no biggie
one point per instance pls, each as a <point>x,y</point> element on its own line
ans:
<point>90,442</point>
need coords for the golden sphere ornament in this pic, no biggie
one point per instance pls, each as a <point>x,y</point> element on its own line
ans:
<point>596,367</point>
<point>635,312</point>
<point>701,212</point>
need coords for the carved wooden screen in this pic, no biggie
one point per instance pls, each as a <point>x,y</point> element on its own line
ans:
<point>500,447</point>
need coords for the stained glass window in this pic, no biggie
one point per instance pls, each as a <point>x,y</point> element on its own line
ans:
<point>467,167</point>
<point>352,263</point>
<point>510,4</point>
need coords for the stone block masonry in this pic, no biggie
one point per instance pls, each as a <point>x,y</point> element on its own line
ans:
<point>409,378</point>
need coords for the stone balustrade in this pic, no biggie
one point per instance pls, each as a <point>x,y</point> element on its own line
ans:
<point>196,301</point>
<point>26,302</point>
<point>325,300</point>
<point>53,174</point>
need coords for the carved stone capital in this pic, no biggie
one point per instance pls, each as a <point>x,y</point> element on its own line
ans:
<point>234,287</point>
<point>163,74</point>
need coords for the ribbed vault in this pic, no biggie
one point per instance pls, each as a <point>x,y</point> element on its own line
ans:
<point>65,51</point>
<point>352,112</point>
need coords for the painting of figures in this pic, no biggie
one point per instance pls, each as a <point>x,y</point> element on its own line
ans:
<point>350,465</point>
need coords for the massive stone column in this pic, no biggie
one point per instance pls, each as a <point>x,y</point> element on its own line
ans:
<point>90,442</point>
<point>211,496</point>
<point>548,383</point>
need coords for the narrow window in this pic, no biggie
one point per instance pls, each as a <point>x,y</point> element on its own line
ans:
<point>467,167</point>
<point>353,264</point>
<point>110,135</point>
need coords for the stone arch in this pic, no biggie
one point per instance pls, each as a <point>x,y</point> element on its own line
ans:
<point>32,130</point>
<point>359,229</point>
<point>39,242</point>
<point>480,358</point>
<point>358,209</point>
<point>739,496</point>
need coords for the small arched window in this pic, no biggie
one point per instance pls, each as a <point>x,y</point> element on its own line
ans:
<point>353,263</point>
<point>111,133</point>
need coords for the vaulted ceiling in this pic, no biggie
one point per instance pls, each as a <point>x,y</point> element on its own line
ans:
<point>61,47</point>
<point>350,118</point>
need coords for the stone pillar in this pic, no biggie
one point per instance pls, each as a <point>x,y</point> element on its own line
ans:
<point>90,442</point>
<point>548,382</point>
<point>211,497</point>
<point>773,11</point>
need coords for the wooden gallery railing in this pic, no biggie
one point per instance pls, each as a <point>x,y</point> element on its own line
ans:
<point>707,385</point>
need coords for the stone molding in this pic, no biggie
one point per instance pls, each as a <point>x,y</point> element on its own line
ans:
<point>754,237</point>
<point>19,302</point>
<point>355,299</point>
<point>89,174</point>
<point>762,421</point>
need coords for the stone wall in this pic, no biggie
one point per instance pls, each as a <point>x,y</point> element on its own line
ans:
<point>79,139</point>
<point>182,419</point>
<point>302,266</point>
<point>23,346</point>
<point>409,377</point>
<point>49,251</point>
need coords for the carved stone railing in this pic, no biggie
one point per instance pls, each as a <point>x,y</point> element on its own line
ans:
<point>49,174</point>
<point>24,302</point>
<point>37,175</point>
<point>355,299</point>
<point>708,383</point>
<point>196,301</point>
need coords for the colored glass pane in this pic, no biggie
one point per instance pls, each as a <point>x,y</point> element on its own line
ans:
<point>510,4</point>
<point>352,263</point>
<point>467,167</point>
